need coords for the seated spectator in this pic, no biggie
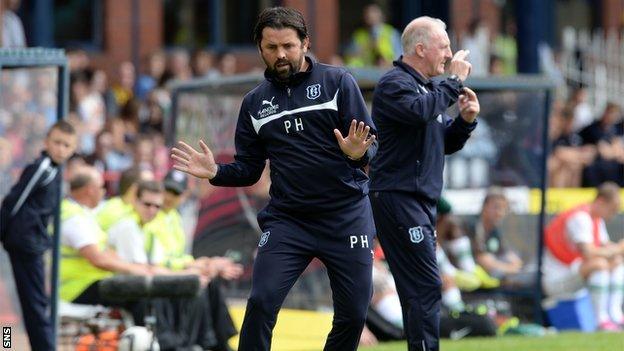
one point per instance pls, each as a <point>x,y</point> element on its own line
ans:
<point>118,158</point>
<point>178,66</point>
<point>228,64</point>
<point>375,44</point>
<point>489,249</point>
<point>454,254</point>
<point>506,47</point>
<point>97,159</point>
<point>477,41</point>
<point>119,206</point>
<point>123,91</point>
<point>579,254</point>
<point>153,78</point>
<point>167,231</point>
<point>609,165</point>
<point>90,108</point>
<point>85,259</point>
<point>581,109</point>
<point>204,64</point>
<point>568,154</point>
<point>131,239</point>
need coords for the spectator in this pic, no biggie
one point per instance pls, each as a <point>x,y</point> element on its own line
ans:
<point>143,153</point>
<point>129,114</point>
<point>454,254</point>
<point>609,165</point>
<point>582,111</point>
<point>490,251</point>
<point>227,64</point>
<point>152,115</point>
<point>103,145</point>
<point>477,41</point>
<point>121,205</point>
<point>506,48</point>
<point>579,253</point>
<point>496,66</point>
<point>123,91</point>
<point>179,66</point>
<point>12,27</point>
<point>568,154</point>
<point>119,158</point>
<point>85,258</point>
<point>90,107</point>
<point>204,64</point>
<point>166,230</point>
<point>24,219</point>
<point>153,78</point>
<point>375,44</point>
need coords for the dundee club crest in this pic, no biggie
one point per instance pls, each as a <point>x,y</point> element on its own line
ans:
<point>416,234</point>
<point>313,91</point>
<point>264,238</point>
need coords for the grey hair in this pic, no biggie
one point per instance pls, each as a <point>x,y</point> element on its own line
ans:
<point>419,31</point>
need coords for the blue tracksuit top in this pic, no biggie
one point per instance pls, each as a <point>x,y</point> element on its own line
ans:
<point>292,124</point>
<point>414,132</point>
<point>28,207</point>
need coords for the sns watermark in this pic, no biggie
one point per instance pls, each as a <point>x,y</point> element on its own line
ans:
<point>6,337</point>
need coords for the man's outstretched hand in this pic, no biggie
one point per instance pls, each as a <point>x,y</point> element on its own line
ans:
<point>188,160</point>
<point>357,142</point>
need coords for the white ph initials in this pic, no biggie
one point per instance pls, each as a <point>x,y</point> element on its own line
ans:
<point>353,239</point>
<point>298,125</point>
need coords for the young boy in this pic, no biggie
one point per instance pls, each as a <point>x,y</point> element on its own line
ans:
<point>24,218</point>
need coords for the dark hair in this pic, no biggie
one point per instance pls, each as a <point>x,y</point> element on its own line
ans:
<point>128,177</point>
<point>149,186</point>
<point>609,191</point>
<point>280,18</point>
<point>62,126</point>
<point>494,192</point>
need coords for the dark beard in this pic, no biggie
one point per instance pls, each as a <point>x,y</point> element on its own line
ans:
<point>285,75</point>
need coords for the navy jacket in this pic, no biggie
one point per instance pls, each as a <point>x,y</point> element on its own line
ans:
<point>414,132</point>
<point>26,210</point>
<point>292,125</point>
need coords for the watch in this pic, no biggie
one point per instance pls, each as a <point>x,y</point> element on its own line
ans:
<point>455,78</point>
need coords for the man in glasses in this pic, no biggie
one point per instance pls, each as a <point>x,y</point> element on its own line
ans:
<point>126,235</point>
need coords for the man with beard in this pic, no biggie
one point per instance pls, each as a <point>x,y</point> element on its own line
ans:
<point>319,206</point>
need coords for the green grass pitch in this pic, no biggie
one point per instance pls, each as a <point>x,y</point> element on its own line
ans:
<point>557,342</point>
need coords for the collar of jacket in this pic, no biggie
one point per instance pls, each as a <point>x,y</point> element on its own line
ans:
<point>409,69</point>
<point>294,79</point>
<point>45,154</point>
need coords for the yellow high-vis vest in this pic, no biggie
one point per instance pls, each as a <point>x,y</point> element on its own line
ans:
<point>76,272</point>
<point>112,211</point>
<point>166,230</point>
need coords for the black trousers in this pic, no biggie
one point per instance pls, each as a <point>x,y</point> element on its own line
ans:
<point>28,271</point>
<point>342,241</point>
<point>406,232</point>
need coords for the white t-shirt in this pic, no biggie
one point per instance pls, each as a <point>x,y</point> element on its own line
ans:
<point>127,238</point>
<point>579,230</point>
<point>77,231</point>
